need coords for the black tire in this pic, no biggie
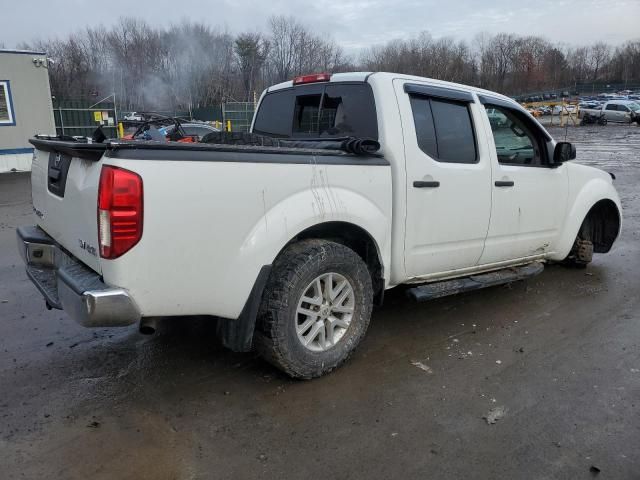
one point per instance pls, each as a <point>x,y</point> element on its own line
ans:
<point>297,266</point>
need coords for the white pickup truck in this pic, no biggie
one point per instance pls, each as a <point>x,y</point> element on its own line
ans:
<point>287,242</point>
<point>620,111</point>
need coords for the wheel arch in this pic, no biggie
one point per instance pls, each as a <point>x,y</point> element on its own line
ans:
<point>345,216</point>
<point>601,225</point>
<point>357,239</point>
<point>598,205</point>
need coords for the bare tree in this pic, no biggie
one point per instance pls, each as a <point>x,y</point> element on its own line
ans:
<point>192,64</point>
<point>598,56</point>
<point>251,51</point>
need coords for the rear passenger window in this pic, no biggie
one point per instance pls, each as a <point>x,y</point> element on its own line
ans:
<point>612,106</point>
<point>444,130</point>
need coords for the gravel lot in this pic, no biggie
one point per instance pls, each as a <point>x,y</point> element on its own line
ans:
<point>554,361</point>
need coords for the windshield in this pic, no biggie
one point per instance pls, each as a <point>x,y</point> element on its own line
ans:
<point>634,106</point>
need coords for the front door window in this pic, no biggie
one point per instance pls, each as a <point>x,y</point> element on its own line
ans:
<point>515,142</point>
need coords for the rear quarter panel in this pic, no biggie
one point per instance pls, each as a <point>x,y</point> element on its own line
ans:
<point>210,226</point>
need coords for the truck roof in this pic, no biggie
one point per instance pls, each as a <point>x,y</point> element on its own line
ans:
<point>375,76</point>
<point>336,77</point>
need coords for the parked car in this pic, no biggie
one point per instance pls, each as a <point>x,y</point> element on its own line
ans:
<point>621,111</point>
<point>288,240</point>
<point>589,104</point>
<point>160,127</point>
<point>133,117</point>
<point>563,109</point>
<point>192,129</point>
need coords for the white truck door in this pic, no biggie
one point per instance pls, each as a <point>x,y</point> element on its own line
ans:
<point>529,197</point>
<point>448,177</point>
<point>611,112</point>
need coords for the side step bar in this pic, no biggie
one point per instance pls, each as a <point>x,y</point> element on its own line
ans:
<point>430,291</point>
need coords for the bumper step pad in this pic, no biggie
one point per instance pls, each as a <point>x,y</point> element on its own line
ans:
<point>45,280</point>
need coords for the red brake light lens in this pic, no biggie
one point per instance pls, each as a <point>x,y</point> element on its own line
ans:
<point>119,211</point>
<point>313,78</point>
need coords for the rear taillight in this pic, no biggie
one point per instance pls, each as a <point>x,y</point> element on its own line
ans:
<point>119,211</point>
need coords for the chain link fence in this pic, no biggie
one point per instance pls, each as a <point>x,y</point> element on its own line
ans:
<point>238,115</point>
<point>79,117</point>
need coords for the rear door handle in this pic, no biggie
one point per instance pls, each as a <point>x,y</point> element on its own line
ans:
<point>504,183</point>
<point>424,184</point>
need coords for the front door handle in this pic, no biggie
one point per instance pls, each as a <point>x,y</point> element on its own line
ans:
<point>504,183</point>
<point>424,184</point>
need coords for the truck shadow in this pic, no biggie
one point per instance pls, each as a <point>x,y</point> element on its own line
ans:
<point>401,329</point>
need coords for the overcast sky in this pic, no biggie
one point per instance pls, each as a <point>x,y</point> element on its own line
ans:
<point>352,23</point>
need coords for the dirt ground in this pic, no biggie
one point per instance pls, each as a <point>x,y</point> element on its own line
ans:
<point>554,361</point>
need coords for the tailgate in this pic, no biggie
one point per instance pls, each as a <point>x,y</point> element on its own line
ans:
<point>64,185</point>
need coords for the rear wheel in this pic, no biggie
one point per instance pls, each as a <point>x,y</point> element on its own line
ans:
<point>315,309</point>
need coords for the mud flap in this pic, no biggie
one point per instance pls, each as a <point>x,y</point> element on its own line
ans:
<point>237,334</point>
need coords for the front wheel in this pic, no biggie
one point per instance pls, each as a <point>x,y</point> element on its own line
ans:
<point>581,253</point>
<point>315,309</point>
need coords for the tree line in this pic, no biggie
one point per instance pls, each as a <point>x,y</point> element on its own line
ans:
<point>192,64</point>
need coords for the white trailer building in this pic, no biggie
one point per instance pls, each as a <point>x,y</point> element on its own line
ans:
<point>25,106</point>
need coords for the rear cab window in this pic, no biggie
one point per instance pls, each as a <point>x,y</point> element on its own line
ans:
<point>326,110</point>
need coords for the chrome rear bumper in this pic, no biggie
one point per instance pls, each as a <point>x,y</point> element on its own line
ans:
<point>69,285</point>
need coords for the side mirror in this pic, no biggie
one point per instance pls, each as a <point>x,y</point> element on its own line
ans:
<point>563,152</point>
